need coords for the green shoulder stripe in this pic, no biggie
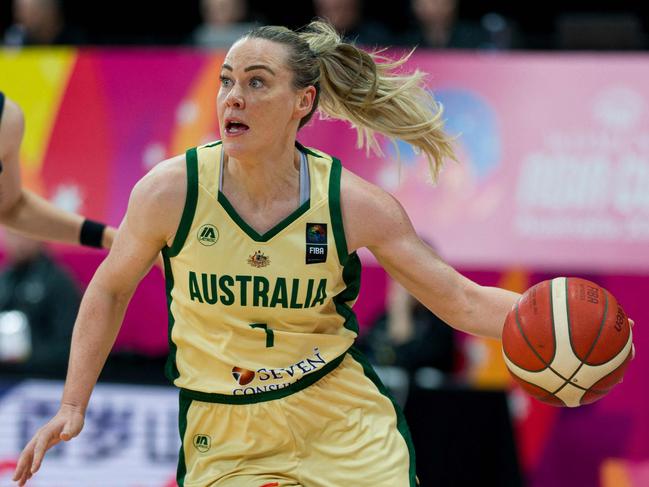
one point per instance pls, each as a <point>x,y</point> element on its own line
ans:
<point>191,159</point>
<point>306,150</point>
<point>351,263</point>
<point>335,211</point>
<point>213,144</point>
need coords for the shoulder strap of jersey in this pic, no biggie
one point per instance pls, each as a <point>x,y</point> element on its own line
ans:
<point>209,166</point>
<point>2,104</point>
<point>2,107</point>
<point>335,211</point>
<point>191,160</point>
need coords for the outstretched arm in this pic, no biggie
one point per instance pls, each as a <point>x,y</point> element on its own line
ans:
<point>150,223</point>
<point>22,210</point>
<point>374,219</point>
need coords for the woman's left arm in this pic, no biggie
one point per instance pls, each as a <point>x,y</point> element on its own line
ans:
<point>374,219</point>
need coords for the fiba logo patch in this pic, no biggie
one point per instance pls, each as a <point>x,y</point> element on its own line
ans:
<point>208,235</point>
<point>316,243</point>
<point>202,443</point>
<point>242,376</point>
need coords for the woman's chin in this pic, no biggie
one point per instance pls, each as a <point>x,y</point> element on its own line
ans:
<point>237,148</point>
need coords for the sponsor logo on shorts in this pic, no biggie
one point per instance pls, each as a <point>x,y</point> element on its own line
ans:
<point>202,443</point>
<point>208,235</point>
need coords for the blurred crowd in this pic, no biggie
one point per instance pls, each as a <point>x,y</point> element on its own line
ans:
<point>428,23</point>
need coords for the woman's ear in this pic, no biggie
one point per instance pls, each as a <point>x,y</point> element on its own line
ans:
<point>305,101</point>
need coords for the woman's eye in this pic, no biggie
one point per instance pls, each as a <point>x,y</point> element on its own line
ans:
<point>256,83</point>
<point>227,82</point>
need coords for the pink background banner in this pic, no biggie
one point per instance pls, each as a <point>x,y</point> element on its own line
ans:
<point>554,162</point>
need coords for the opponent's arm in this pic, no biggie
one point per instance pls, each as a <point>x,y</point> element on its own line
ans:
<point>151,220</point>
<point>374,219</point>
<point>22,210</point>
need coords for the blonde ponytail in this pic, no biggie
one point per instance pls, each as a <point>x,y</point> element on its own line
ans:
<point>365,89</point>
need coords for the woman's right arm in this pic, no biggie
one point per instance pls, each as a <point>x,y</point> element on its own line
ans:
<point>153,215</point>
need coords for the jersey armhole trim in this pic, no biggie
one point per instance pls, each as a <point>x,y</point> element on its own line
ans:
<point>306,150</point>
<point>335,211</point>
<point>2,105</point>
<point>191,159</point>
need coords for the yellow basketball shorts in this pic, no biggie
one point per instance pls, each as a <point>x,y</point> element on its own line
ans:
<point>343,429</point>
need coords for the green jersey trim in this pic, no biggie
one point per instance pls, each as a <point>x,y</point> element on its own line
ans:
<point>191,159</point>
<point>306,150</point>
<point>171,370</point>
<point>213,144</point>
<point>350,262</point>
<point>402,425</point>
<point>251,232</point>
<point>335,211</point>
<point>183,409</point>
<point>352,279</point>
<point>303,383</point>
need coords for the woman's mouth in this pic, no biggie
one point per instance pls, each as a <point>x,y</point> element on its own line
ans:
<point>234,127</point>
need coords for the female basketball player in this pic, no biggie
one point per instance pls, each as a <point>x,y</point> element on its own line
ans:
<point>259,236</point>
<point>27,213</point>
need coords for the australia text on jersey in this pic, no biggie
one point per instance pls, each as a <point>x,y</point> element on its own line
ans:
<point>257,291</point>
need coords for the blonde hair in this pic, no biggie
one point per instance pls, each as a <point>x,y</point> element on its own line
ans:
<point>364,88</point>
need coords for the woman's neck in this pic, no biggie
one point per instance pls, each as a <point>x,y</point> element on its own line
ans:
<point>275,175</point>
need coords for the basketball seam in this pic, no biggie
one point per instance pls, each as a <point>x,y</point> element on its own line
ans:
<point>572,349</point>
<point>606,294</point>
<point>592,347</point>
<point>548,395</point>
<point>604,391</point>
<point>514,361</point>
<point>547,365</point>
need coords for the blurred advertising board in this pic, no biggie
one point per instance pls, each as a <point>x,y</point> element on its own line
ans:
<point>130,437</point>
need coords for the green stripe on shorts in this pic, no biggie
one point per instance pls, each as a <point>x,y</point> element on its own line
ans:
<point>402,425</point>
<point>184,404</point>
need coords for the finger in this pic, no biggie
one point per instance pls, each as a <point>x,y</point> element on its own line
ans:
<point>22,478</point>
<point>631,322</point>
<point>25,477</point>
<point>44,443</point>
<point>71,428</point>
<point>24,461</point>
<point>66,433</point>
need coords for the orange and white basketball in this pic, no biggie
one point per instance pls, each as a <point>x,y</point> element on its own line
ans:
<point>567,341</point>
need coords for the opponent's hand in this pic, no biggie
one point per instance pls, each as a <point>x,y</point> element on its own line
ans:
<point>67,424</point>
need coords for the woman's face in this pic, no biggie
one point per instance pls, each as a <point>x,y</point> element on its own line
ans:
<point>257,105</point>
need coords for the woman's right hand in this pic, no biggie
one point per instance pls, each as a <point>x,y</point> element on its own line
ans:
<point>65,425</point>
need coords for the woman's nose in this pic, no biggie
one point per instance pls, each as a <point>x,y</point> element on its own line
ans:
<point>234,99</point>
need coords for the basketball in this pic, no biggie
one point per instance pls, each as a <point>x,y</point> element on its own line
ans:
<point>567,341</point>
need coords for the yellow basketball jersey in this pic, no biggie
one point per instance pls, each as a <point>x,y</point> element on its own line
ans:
<point>255,317</point>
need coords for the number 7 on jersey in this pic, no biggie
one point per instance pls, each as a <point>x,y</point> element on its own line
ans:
<point>270,336</point>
